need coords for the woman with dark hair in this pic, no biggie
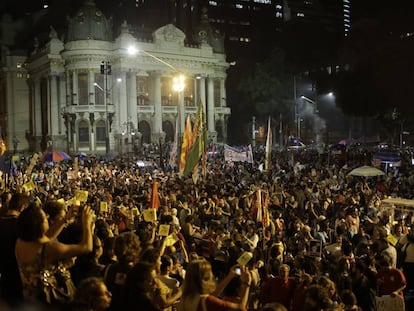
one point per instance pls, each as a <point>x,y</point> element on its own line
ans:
<point>91,295</point>
<point>36,251</point>
<point>141,288</point>
<point>127,249</point>
<point>200,291</point>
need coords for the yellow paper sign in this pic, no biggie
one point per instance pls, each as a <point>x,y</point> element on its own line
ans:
<point>81,195</point>
<point>32,164</point>
<point>150,214</point>
<point>392,239</point>
<point>171,239</point>
<point>29,186</point>
<point>164,230</point>
<point>15,158</point>
<point>244,258</point>
<point>103,207</point>
<point>135,211</point>
<point>61,201</point>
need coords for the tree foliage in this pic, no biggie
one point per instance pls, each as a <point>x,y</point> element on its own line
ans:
<point>266,86</point>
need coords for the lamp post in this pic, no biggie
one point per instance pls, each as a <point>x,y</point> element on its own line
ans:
<point>178,83</point>
<point>315,112</point>
<point>178,86</point>
<point>106,70</point>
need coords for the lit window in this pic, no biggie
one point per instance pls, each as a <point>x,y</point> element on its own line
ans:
<point>278,7</point>
<point>279,15</point>
<point>263,1</point>
<point>213,3</point>
<point>239,6</point>
<point>300,14</point>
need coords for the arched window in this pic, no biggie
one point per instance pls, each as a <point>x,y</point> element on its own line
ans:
<point>100,132</point>
<point>168,128</point>
<point>83,132</point>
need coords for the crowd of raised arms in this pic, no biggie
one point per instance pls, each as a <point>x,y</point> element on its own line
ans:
<point>304,235</point>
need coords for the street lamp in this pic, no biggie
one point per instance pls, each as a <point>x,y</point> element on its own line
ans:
<point>178,86</point>
<point>108,116</point>
<point>106,70</point>
<point>178,83</point>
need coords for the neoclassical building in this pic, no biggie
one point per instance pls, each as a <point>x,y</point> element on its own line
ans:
<point>88,93</point>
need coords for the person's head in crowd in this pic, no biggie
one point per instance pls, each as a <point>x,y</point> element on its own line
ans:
<point>330,286</point>
<point>108,254</point>
<point>92,295</point>
<point>140,282</point>
<point>18,202</point>
<point>166,265</point>
<point>153,255</point>
<point>199,279</point>
<point>103,229</point>
<point>317,298</point>
<point>379,232</point>
<point>349,300</point>
<point>383,262</point>
<point>54,209</point>
<point>32,223</point>
<point>359,269</point>
<point>284,271</point>
<point>127,247</point>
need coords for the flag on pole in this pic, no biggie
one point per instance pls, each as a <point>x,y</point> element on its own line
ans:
<point>155,200</point>
<point>258,206</point>
<point>268,156</point>
<point>185,146</point>
<point>199,138</point>
<point>3,147</point>
<point>265,206</point>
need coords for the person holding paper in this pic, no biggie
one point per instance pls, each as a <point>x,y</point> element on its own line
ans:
<point>200,292</point>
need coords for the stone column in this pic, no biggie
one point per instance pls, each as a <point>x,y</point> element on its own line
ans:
<point>37,110</point>
<point>157,121</point>
<point>54,112</point>
<point>210,106</point>
<point>202,83</point>
<point>223,93</point>
<point>132,99</point>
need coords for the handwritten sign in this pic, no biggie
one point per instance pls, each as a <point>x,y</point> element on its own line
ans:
<point>150,214</point>
<point>103,207</point>
<point>32,164</point>
<point>81,195</point>
<point>171,239</point>
<point>29,186</point>
<point>244,258</point>
<point>164,230</point>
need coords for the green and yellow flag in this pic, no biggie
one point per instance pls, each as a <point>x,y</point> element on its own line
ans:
<point>198,140</point>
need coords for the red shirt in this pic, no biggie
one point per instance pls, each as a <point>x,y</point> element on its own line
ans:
<point>389,281</point>
<point>278,290</point>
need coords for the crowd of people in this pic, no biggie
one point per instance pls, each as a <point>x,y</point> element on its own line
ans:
<point>304,235</point>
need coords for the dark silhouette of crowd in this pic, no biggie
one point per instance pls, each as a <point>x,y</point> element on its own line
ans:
<point>304,235</point>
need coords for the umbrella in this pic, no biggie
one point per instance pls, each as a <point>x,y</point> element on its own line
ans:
<point>82,155</point>
<point>366,171</point>
<point>54,156</point>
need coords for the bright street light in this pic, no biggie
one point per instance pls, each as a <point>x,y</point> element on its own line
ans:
<point>132,50</point>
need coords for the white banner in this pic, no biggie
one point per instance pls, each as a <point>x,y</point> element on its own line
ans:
<point>243,154</point>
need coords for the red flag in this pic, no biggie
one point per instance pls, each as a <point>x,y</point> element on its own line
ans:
<point>186,144</point>
<point>155,200</point>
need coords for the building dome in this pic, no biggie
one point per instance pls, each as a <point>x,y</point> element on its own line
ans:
<point>89,23</point>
